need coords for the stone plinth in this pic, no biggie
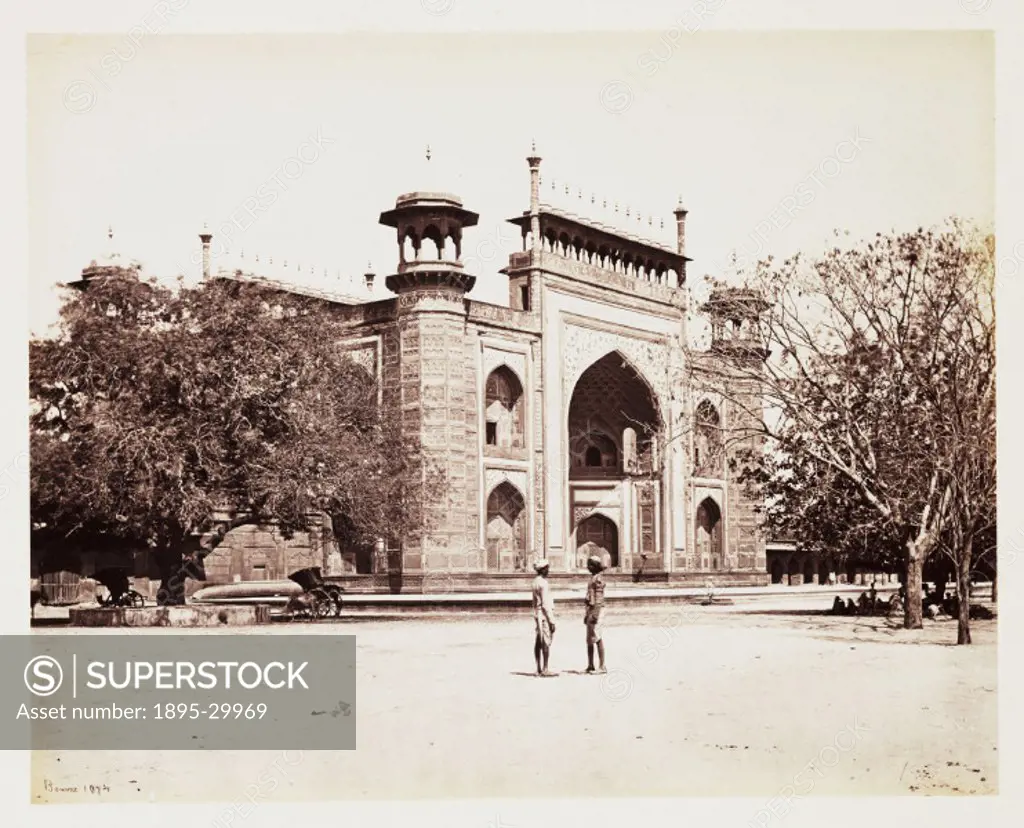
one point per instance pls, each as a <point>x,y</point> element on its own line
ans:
<point>187,616</point>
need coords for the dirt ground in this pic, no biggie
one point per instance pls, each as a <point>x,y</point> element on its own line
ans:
<point>697,701</point>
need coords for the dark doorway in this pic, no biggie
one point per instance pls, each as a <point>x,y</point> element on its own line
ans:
<point>709,532</point>
<point>600,531</point>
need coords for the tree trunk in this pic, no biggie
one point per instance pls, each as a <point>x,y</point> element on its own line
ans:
<point>172,578</point>
<point>963,593</point>
<point>995,575</point>
<point>912,615</point>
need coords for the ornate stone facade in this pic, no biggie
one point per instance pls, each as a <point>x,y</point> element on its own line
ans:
<point>585,438</point>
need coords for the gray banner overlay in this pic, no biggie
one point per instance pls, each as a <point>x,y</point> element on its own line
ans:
<point>178,692</point>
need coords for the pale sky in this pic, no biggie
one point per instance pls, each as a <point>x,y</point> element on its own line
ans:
<point>155,140</point>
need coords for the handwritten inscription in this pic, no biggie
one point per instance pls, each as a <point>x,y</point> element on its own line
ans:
<point>96,790</point>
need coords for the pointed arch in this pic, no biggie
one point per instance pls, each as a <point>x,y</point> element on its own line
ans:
<point>708,443</point>
<point>709,534</point>
<point>506,529</point>
<point>432,233</point>
<point>609,399</point>
<point>597,534</point>
<point>611,352</point>
<point>410,245</point>
<point>504,409</point>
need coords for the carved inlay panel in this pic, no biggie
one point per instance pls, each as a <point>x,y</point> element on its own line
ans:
<point>431,300</point>
<point>517,362</point>
<point>495,477</point>
<point>582,347</point>
<point>581,513</point>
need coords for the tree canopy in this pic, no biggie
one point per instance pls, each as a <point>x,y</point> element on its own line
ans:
<point>155,410</point>
<point>879,395</point>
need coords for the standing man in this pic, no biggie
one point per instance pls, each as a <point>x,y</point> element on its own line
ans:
<point>543,616</point>
<point>593,613</point>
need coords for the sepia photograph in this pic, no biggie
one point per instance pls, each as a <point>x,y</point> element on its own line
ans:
<point>597,414</point>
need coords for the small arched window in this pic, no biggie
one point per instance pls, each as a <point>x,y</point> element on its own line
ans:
<point>504,426</point>
<point>593,451</point>
<point>707,443</point>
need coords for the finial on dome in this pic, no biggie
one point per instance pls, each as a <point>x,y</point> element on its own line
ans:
<point>428,152</point>
<point>110,232</point>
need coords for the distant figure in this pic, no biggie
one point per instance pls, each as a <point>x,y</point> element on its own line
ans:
<point>838,607</point>
<point>593,614</point>
<point>851,608</point>
<point>638,576</point>
<point>543,616</point>
<point>895,605</point>
<point>951,605</point>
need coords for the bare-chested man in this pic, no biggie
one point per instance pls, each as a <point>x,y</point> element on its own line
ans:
<point>543,616</point>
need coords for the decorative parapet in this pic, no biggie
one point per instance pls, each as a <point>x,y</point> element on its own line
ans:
<point>592,274</point>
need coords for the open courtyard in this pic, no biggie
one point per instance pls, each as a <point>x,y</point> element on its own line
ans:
<point>779,702</point>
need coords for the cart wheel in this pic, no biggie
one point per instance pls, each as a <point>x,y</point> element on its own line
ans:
<point>321,603</point>
<point>336,598</point>
<point>136,599</point>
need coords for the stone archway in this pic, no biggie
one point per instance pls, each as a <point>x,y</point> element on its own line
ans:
<point>778,571</point>
<point>602,536</point>
<point>503,410</point>
<point>506,529</point>
<point>612,412</point>
<point>709,533</point>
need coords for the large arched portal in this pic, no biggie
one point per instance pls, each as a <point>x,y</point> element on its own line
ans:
<point>506,529</point>
<point>613,425</point>
<point>612,415</point>
<point>709,534</point>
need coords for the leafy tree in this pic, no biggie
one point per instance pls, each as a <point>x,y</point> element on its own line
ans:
<point>820,509</point>
<point>156,411</point>
<point>881,375</point>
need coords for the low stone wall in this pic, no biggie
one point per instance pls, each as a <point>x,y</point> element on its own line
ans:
<point>187,616</point>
